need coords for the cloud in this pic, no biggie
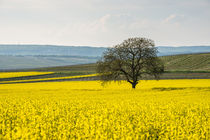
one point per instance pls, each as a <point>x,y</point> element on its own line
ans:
<point>169,18</point>
<point>173,18</point>
<point>103,23</point>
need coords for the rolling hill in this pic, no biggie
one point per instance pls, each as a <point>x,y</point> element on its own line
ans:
<point>184,66</point>
<point>187,62</point>
<point>36,56</point>
<point>25,50</point>
<point>188,66</point>
<point>174,63</point>
<point>49,50</point>
<point>33,61</point>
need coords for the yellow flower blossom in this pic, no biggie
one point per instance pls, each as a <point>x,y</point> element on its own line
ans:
<point>164,109</point>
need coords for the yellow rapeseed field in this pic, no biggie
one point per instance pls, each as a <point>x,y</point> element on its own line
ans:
<point>165,109</point>
<point>50,78</point>
<point>20,74</point>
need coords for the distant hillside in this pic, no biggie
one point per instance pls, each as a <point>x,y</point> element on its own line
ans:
<point>187,62</point>
<point>86,50</point>
<point>51,50</point>
<point>190,66</point>
<point>37,61</point>
<point>163,51</point>
<point>175,63</point>
<point>36,56</point>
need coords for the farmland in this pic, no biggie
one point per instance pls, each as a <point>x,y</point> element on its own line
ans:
<point>55,103</point>
<point>104,70</point>
<point>185,66</point>
<point>85,109</point>
<point>173,63</point>
<point>176,67</point>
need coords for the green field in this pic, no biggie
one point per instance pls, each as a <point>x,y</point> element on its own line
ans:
<point>187,62</point>
<point>188,66</point>
<point>174,63</point>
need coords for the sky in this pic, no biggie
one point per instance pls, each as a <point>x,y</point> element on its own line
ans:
<point>104,23</point>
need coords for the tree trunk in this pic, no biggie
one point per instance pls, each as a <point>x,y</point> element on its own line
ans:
<point>133,85</point>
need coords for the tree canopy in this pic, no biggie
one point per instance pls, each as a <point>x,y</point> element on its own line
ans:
<point>130,60</point>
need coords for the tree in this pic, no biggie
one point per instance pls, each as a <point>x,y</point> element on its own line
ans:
<point>130,60</point>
